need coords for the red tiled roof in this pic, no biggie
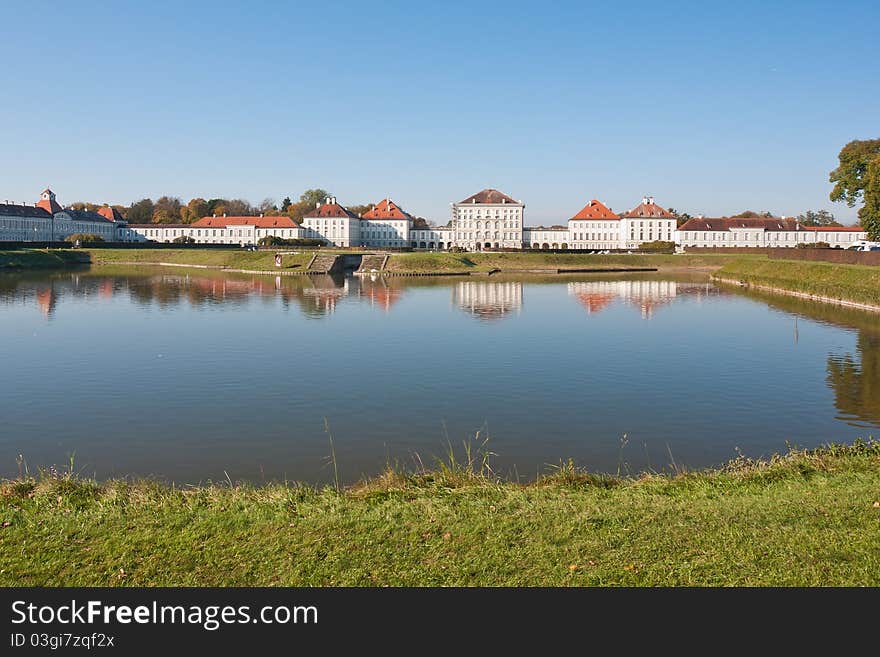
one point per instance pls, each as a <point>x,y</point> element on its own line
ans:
<point>111,214</point>
<point>647,208</point>
<point>488,196</point>
<point>835,229</point>
<point>280,221</point>
<point>386,209</point>
<point>727,223</point>
<point>50,206</point>
<point>330,210</point>
<point>595,210</point>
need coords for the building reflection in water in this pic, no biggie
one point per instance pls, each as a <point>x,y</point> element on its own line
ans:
<point>646,295</point>
<point>378,292</point>
<point>488,301</point>
<point>855,380</point>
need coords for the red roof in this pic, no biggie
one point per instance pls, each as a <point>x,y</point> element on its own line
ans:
<point>281,221</point>
<point>647,208</point>
<point>111,214</point>
<point>728,223</point>
<point>489,196</point>
<point>386,209</point>
<point>330,209</point>
<point>49,205</point>
<point>595,210</point>
<point>835,229</point>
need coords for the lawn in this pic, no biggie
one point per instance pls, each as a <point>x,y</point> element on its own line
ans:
<point>804,519</point>
<point>855,283</point>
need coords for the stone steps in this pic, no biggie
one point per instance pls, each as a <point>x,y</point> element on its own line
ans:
<point>324,263</point>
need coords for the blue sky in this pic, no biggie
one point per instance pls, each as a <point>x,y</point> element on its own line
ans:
<point>710,107</point>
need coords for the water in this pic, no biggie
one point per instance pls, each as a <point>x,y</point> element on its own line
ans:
<point>198,376</point>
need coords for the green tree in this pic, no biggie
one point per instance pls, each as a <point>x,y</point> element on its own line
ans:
<point>817,218</point>
<point>307,201</point>
<point>856,178</point>
<point>285,203</point>
<point>140,212</point>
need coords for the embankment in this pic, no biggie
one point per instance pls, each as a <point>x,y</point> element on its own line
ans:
<point>21,259</point>
<point>804,519</point>
<point>849,285</point>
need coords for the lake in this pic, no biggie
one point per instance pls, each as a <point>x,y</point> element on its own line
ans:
<point>193,376</point>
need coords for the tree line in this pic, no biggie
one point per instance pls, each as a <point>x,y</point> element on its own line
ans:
<point>172,210</point>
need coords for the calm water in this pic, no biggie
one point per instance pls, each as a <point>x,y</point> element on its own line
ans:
<point>192,376</point>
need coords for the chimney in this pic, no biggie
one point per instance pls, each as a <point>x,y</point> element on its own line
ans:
<point>645,200</point>
<point>317,204</point>
<point>650,200</point>
<point>261,214</point>
<point>224,215</point>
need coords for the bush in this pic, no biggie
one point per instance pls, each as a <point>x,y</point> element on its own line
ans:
<point>83,238</point>
<point>657,245</point>
<point>183,239</point>
<point>815,245</point>
<point>272,240</point>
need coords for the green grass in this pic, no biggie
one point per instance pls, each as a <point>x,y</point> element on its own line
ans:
<point>226,258</point>
<point>806,518</point>
<point>844,282</point>
<point>41,259</point>
<point>419,262</point>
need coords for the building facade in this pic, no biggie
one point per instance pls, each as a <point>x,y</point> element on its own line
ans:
<point>488,220</point>
<point>762,232</point>
<point>241,230</point>
<point>47,221</point>
<point>333,224</point>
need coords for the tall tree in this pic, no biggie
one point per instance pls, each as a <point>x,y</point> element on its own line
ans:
<point>167,210</point>
<point>817,218</point>
<point>307,201</point>
<point>285,203</point>
<point>194,210</point>
<point>857,177</point>
<point>140,212</point>
<point>267,205</point>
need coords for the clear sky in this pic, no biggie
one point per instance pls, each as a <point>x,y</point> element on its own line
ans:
<point>711,107</point>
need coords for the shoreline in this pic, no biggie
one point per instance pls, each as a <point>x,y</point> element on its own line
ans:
<point>807,517</point>
<point>794,293</point>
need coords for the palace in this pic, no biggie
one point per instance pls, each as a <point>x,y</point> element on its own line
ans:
<point>489,219</point>
<point>47,221</point>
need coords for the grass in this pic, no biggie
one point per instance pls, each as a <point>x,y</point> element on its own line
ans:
<point>224,258</point>
<point>40,259</point>
<point>804,518</point>
<point>855,283</point>
<point>420,262</point>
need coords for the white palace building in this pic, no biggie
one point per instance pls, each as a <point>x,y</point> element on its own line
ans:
<point>487,220</point>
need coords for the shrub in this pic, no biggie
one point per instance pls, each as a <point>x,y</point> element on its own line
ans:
<point>83,238</point>
<point>815,245</point>
<point>272,240</point>
<point>184,239</point>
<point>657,245</point>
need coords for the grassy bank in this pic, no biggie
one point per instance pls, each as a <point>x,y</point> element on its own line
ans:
<point>854,283</point>
<point>807,518</point>
<point>40,259</point>
<point>418,262</point>
<point>226,258</point>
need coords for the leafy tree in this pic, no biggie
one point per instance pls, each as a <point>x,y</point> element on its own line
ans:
<point>359,209</point>
<point>680,217</point>
<point>285,203</point>
<point>140,212</point>
<point>817,218</point>
<point>238,207</point>
<point>194,210</point>
<point>858,178</point>
<point>167,210</point>
<point>184,239</point>
<point>214,203</point>
<point>83,238</point>
<point>267,206</point>
<point>751,214</point>
<point>306,203</point>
